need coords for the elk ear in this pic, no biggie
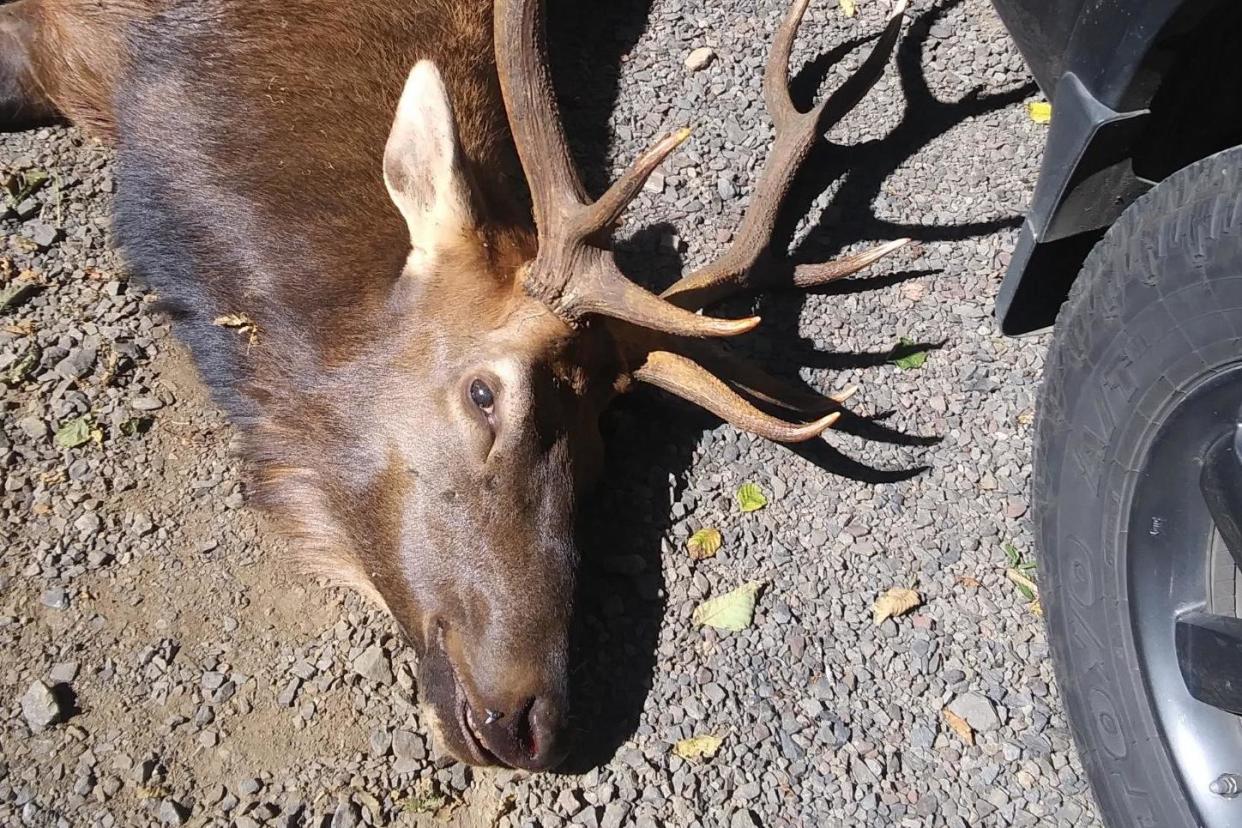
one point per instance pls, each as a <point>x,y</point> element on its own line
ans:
<point>423,166</point>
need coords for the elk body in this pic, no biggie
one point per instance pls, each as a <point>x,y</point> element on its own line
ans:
<point>433,323</point>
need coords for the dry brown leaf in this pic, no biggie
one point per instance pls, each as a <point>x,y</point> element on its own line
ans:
<point>969,581</point>
<point>25,327</point>
<point>959,726</point>
<point>897,601</point>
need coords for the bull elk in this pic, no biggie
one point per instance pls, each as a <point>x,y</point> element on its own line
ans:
<point>433,319</point>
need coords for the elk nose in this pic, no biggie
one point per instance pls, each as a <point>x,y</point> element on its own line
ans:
<point>527,737</point>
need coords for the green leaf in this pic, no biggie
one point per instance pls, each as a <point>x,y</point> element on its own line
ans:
<point>25,184</point>
<point>74,433</point>
<point>698,747</point>
<point>425,798</point>
<point>22,370</point>
<point>1012,554</point>
<point>911,360</point>
<point>734,611</point>
<point>704,543</point>
<point>750,497</point>
<point>1027,592</point>
<point>16,293</point>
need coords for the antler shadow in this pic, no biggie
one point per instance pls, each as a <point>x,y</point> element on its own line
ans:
<point>624,527</point>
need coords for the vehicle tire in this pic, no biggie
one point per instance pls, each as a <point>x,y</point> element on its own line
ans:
<point>1143,375</point>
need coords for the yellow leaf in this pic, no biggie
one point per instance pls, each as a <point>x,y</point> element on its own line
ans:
<point>896,601</point>
<point>698,747</point>
<point>848,8</point>
<point>734,611</point>
<point>750,497</point>
<point>1040,111</point>
<point>960,726</point>
<point>704,543</point>
<point>1036,607</point>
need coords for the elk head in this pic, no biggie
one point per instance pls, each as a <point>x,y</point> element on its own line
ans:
<point>467,532</point>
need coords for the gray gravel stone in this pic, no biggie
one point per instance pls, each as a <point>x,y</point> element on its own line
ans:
<point>977,710</point>
<point>40,707</point>
<point>373,665</point>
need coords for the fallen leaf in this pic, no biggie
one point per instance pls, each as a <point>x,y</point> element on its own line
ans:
<point>734,611</point>
<point>969,581</point>
<point>848,8</point>
<point>16,293</point>
<point>242,324</point>
<point>1026,417</point>
<point>1036,607</point>
<point>910,359</point>
<point>24,327</point>
<point>1027,587</point>
<point>750,497</point>
<point>897,601</point>
<point>24,184</point>
<point>1040,111</point>
<point>425,799</point>
<point>959,725</point>
<point>704,543</point>
<point>74,433</point>
<point>698,747</point>
<point>24,368</point>
<point>1012,554</point>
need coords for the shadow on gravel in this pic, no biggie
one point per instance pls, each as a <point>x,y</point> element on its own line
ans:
<point>621,585</point>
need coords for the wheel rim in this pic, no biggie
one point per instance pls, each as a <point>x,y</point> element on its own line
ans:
<point>1173,558</point>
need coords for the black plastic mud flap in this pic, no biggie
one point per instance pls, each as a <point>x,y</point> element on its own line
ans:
<point>1086,182</point>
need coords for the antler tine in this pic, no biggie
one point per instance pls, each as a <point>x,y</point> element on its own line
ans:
<point>741,266</point>
<point>534,116</point>
<point>682,376</point>
<point>570,273</point>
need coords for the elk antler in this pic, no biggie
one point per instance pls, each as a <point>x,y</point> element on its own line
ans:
<point>576,276</point>
<point>746,264</point>
<point>570,273</point>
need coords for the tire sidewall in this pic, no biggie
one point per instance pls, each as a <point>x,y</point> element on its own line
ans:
<point>1171,258</point>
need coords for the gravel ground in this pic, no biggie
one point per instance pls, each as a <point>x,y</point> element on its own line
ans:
<point>162,666</point>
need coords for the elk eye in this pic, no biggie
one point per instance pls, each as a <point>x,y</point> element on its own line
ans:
<point>482,396</point>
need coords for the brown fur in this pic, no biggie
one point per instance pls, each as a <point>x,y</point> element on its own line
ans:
<point>251,141</point>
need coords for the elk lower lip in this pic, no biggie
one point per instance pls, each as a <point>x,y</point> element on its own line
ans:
<point>465,724</point>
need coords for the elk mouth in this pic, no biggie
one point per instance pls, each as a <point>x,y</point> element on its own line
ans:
<point>470,731</point>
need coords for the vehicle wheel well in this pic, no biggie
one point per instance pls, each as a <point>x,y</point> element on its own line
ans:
<point>1190,82</point>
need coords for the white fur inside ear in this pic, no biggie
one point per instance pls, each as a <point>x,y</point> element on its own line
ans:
<point>422,163</point>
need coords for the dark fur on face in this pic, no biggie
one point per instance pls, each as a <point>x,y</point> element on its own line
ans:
<point>261,174</point>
